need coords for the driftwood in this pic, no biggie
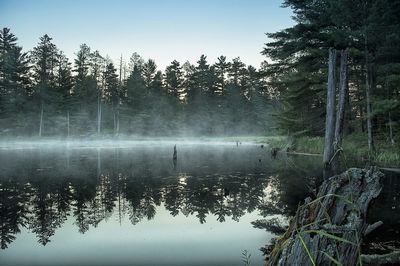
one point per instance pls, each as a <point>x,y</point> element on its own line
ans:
<point>329,229</point>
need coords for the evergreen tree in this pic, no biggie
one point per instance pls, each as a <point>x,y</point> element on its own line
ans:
<point>135,60</point>
<point>45,61</point>
<point>82,62</point>
<point>196,110</point>
<point>236,71</point>
<point>174,79</point>
<point>64,80</point>
<point>112,93</point>
<point>149,71</point>
<point>85,92</point>
<point>136,99</point>
<point>221,71</point>
<point>14,80</point>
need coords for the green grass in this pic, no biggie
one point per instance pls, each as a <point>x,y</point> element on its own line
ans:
<point>354,147</point>
<point>280,142</point>
<point>309,144</point>
<point>385,154</point>
<point>313,145</point>
<point>256,139</point>
<point>388,157</point>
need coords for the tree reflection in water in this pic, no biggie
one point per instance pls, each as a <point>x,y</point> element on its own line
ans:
<point>41,192</point>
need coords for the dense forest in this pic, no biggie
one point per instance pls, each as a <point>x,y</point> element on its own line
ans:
<point>367,35</point>
<point>43,94</point>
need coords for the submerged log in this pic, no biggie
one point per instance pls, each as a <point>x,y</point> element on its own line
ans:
<point>329,229</point>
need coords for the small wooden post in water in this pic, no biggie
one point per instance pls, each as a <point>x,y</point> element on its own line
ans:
<point>175,156</point>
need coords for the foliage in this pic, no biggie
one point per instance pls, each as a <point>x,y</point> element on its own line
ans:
<point>371,32</point>
<point>91,98</point>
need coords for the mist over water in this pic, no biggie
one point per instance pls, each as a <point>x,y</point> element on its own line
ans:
<point>113,143</point>
<point>96,203</point>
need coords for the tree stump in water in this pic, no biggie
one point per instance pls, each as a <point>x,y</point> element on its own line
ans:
<point>175,155</point>
<point>329,229</point>
<point>274,152</point>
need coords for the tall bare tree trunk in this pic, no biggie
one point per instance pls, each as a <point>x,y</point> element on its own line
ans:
<point>369,111</point>
<point>117,121</point>
<point>360,106</point>
<point>343,92</point>
<point>391,130</point>
<point>68,124</point>
<point>41,121</point>
<point>120,71</point>
<point>120,86</point>
<point>368,97</point>
<point>330,111</point>
<point>389,95</point>
<point>98,114</point>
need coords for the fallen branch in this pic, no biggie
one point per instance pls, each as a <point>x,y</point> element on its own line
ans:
<point>372,227</point>
<point>390,258</point>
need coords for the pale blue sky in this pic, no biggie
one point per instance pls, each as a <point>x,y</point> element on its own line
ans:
<point>163,30</point>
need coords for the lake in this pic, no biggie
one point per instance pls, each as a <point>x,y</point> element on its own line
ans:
<point>130,203</point>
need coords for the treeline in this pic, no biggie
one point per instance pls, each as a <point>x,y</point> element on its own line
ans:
<point>90,200</point>
<point>43,94</point>
<point>370,32</point>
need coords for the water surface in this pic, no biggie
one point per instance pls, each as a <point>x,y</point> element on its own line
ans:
<point>129,203</point>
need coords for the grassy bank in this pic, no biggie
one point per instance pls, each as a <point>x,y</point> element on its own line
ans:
<point>354,148</point>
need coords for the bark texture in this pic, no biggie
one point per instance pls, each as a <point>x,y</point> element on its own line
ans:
<point>330,109</point>
<point>340,115</point>
<point>368,97</point>
<point>343,92</point>
<point>331,227</point>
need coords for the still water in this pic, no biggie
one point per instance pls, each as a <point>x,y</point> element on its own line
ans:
<point>131,204</point>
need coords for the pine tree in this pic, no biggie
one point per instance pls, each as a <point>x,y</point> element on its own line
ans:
<point>112,93</point>
<point>136,100</point>
<point>221,71</point>
<point>14,81</point>
<point>174,79</point>
<point>45,60</point>
<point>149,71</point>
<point>85,94</point>
<point>64,85</point>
